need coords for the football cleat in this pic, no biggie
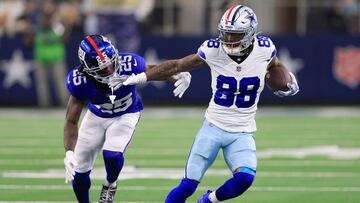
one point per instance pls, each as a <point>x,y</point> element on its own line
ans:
<point>205,198</point>
<point>107,194</point>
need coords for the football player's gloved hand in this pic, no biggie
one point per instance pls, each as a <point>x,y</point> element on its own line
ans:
<point>117,81</point>
<point>293,88</point>
<point>136,79</point>
<point>183,80</point>
<point>70,164</point>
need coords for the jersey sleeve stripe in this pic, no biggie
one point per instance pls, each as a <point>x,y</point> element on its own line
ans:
<point>93,44</point>
<point>201,54</point>
<point>273,53</point>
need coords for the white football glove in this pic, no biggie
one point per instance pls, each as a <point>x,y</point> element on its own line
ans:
<point>182,83</point>
<point>293,88</point>
<point>117,81</point>
<point>70,164</point>
<point>136,79</point>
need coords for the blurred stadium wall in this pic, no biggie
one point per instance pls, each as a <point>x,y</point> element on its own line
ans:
<point>318,40</point>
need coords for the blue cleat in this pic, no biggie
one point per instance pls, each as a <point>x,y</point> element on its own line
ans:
<point>205,198</point>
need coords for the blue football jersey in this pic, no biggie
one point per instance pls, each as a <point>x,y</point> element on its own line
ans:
<point>84,88</point>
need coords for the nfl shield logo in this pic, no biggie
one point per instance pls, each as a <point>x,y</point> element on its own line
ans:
<point>238,68</point>
<point>346,67</point>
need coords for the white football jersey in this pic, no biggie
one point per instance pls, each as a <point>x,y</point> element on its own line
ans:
<point>236,87</point>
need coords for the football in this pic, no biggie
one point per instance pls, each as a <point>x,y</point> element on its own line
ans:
<point>277,78</point>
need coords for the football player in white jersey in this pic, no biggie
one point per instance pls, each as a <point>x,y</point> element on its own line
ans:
<point>238,61</point>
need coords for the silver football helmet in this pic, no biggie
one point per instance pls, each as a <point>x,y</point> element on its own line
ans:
<point>238,28</point>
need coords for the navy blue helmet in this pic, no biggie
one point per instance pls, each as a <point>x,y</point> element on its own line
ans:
<point>98,57</point>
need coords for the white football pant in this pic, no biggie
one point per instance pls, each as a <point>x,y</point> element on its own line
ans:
<point>96,133</point>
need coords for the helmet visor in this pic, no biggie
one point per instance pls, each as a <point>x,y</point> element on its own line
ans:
<point>232,42</point>
<point>231,39</point>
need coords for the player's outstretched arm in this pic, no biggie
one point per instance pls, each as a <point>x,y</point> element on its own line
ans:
<point>172,67</point>
<point>181,81</point>
<point>166,69</point>
<point>281,80</point>
<point>73,112</point>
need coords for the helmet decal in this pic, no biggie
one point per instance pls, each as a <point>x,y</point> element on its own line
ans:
<point>93,44</point>
<point>81,54</point>
<point>250,16</point>
<point>229,13</point>
<point>233,19</point>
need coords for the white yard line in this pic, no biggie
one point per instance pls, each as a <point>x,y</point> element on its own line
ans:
<point>131,172</point>
<point>193,112</point>
<point>329,151</point>
<point>165,162</point>
<point>202,188</point>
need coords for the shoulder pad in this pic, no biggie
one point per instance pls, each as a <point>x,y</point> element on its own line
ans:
<point>79,85</point>
<point>131,63</point>
<point>266,47</point>
<point>209,49</point>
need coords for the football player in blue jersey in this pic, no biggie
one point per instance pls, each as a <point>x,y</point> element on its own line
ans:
<point>112,115</point>
<point>239,60</point>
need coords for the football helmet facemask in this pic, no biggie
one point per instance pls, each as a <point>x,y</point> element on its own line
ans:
<point>98,57</point>
<point>238,28</point>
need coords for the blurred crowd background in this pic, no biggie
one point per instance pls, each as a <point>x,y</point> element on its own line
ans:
<point>318,39</point>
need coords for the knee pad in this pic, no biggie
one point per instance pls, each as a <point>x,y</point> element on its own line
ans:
<point>184,190</point>
<point>114,162</point>
<point>236,185</point>
<point>244,179</point>
<point>110,156</point>
<point>188,186</point>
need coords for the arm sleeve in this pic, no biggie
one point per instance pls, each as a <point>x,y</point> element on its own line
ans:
<point>273,50</point>
<point>201,52</point>
<point>75,85</point>
<point>209,50</point>
<point>139,64</point>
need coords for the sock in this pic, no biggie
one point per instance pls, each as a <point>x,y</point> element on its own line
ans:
<point>114,162</point>
<point>81,185</point>
<point>110,184</point>
<point>213,198</point>
<point>184,190</point>
<point>237,185</point>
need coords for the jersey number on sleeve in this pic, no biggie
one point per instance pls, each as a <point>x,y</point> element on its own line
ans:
<point>126,63</point>
<point>77,78</point>
<point>228,91</point>
<point>263,41</point>
<point>213,43</point>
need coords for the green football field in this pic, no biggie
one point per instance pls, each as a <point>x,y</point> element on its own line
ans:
<point>302,159</point>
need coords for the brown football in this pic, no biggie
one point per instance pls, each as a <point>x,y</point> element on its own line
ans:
<point>277,78</point>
